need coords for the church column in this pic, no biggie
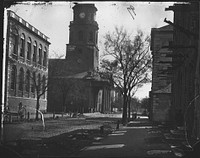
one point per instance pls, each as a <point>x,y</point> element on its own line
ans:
<point>90,97</point>
<point>106,99</point>
<point>96,102</point>
<point>103,100</point>
<point>109,101</point>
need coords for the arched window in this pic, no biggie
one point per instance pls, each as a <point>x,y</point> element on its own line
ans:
<point>39,83</point>
<point>33,83</point>
<point>27,81</point>
<point>40,55</point>
<point>13,77</point>
<point>45,57</point>
<point>34,51</point>
<point>14,42</point>
<point>91,36</point>
<point>21,79</point>
<point>22,45</point>
<point>80,35</point>
<point>43,85</point>
<point>29,49</point>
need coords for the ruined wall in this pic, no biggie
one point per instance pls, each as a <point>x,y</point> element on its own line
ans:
<point>161,80</point>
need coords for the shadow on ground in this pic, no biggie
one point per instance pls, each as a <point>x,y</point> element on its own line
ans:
<point>62,145</point>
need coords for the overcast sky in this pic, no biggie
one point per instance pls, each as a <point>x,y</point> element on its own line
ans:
<point>53,20</point>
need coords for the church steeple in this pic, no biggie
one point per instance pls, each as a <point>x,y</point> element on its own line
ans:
<point>83,37</point>
<point>84,13</point>
<point>83,29</point>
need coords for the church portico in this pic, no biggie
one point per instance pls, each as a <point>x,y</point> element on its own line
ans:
<point>101,94</point>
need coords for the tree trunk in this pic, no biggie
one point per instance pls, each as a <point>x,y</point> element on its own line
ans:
<point>124,116</point>
<point>129,109</point>
<point>37,108</point>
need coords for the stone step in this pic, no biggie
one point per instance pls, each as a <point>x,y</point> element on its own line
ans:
<point>174,137</point>
<point>178,132</point>
<point>139,123</point>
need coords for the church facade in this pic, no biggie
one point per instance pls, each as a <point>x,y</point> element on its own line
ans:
<point>74,82</point>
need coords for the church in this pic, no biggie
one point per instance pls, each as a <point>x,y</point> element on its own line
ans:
<point>75,83</point>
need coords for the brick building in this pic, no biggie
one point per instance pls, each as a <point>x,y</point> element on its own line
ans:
<point>26,58</point>
<point>79,68</point>
<point>161,82</point>
<point>185,63</point>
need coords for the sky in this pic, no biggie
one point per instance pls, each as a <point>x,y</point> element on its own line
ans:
<point>53,20</point>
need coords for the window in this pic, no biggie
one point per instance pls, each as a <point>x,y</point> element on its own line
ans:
<point>45,57</point>
<point>21,79</point>
<point>29,49</point>
<point>32,83</point>
<point>34,51</point>
<point>91,36</point>
<point>27,81</point>
<point>40,55</point>
<point>13,78</point>
<point>22,46</point>
<point>43,85</point>
<point>14,41</point>
<point>80,35</point>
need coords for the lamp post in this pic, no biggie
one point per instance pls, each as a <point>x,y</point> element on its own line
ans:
<point>2,72</point>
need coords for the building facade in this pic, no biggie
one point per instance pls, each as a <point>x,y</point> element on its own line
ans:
<point>80,67</point>
<point>161,78</point>
<point>26,62</point>
<point>185,63</point>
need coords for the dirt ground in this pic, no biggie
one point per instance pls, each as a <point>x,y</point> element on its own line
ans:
<point>60,137</point>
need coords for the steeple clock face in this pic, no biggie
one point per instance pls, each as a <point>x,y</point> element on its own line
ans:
<point>82,15</point>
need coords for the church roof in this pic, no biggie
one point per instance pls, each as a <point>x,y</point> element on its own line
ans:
<point>87,75</point>
<point>63,67</point>
<point>60,68</point>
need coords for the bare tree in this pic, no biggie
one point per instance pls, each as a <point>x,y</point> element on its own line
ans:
<point>39,85</point>
<point>135,105</point>
<point>145,103</point>
<point>129,61</point>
